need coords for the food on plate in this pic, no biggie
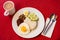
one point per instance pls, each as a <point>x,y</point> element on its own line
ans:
<point>32,16</point>
<point>32,24</point>
<point>24,28</point>
<point>27,22</point>
<point>26,12</point>
<point>21,19</point>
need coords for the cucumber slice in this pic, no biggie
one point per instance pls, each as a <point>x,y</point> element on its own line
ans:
<point>33,17</point>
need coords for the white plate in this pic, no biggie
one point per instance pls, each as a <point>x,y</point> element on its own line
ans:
<point>39,28</point>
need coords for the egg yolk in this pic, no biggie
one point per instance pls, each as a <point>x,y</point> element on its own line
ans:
<point>23,29</point>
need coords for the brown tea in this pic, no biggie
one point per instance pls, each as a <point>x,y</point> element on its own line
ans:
<point>8,6</point>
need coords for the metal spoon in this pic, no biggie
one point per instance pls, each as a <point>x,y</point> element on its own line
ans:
<point>53,18</point>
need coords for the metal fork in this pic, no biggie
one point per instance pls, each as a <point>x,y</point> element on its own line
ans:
<point>53,18</point>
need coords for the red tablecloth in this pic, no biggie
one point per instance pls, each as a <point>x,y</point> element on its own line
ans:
<point>47,7</point>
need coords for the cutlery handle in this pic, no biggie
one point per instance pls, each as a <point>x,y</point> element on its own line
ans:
<point>51,29</point>
<point>47,27</point>
<point>47,22</point>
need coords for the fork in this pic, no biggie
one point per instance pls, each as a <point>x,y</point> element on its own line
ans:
<point>53,18</point>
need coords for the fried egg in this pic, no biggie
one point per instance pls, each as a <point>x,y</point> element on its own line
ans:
<point>24,28</point>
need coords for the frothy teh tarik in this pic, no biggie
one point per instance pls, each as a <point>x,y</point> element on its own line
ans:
<point>8,6</point>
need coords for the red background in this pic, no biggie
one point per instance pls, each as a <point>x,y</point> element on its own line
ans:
<point>47,7</point>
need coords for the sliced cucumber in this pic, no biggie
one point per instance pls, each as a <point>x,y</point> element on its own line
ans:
<point>33,17</point>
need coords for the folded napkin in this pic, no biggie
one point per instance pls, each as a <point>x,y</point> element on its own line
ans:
<point>50,31</point>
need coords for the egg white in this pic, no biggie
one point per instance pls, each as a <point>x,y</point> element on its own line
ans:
<point>27,27</point>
